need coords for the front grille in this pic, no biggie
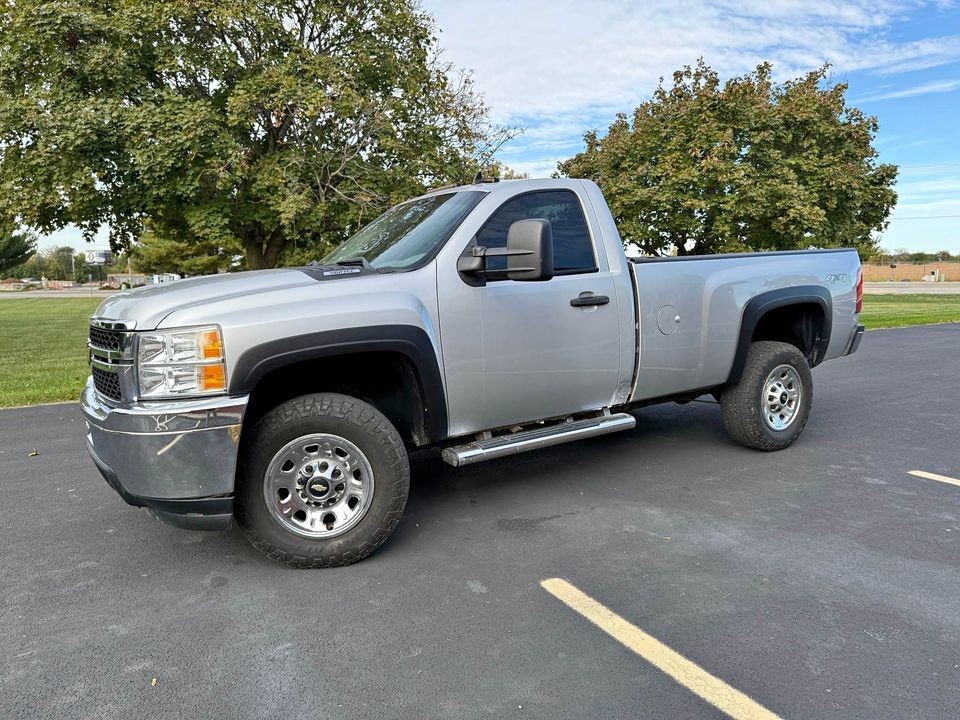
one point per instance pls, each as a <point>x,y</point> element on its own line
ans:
<point>106,339</point>
<point>107,383</point>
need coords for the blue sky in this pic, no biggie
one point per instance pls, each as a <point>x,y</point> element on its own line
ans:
<point>561,67</point>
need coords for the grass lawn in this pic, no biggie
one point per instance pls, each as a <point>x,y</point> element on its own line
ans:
<point>43,354</point>
<point>885,311</point>
<point>43,349</point>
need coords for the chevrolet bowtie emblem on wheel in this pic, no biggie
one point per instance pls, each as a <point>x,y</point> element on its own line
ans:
<point>318,488</point>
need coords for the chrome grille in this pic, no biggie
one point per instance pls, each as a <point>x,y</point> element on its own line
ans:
<point>106,339</point>
<point>107,383</point>
<point>112,344</point>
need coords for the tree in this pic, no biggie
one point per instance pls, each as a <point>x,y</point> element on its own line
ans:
<point>749,164</point>
<point>272,124</point>
<point>60,262</point>
<point>15,247</point>
<point>156,254</point>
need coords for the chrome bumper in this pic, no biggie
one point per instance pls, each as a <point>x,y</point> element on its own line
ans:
<point>176,458</point>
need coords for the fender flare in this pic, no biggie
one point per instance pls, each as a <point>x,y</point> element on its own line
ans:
<point>410,341</point>
<point>761,304</point>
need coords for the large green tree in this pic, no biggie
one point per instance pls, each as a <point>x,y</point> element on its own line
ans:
<point>749,164</point>
<point>268,125</point>
<point>15,247</point>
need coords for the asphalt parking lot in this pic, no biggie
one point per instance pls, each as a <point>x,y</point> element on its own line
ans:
<point>821,582</point>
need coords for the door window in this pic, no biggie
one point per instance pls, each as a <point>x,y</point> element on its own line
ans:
<point>572,247</point>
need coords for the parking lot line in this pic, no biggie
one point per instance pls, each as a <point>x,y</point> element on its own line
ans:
<point>697,680</point>
<point>934,476</point>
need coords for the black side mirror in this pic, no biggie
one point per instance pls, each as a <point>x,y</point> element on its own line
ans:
<point>530,250</point>
<point>529,254</point>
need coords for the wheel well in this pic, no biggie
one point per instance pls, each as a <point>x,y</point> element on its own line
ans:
<point>386,380</point>
<point>801,325</point>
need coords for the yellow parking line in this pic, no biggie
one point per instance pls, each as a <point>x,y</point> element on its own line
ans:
<point>693,677</point>
<point>934,476</point>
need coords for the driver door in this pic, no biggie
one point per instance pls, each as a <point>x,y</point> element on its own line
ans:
<point>517,351</point>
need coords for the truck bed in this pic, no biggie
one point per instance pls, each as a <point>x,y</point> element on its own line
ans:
<point>691,308</point>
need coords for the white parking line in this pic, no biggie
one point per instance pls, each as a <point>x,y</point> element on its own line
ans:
<point>934,476</point>
<point>693,677</point>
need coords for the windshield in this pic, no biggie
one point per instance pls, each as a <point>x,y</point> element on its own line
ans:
<point>407,235</point>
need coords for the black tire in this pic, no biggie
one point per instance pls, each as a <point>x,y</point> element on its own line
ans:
<point>741,404</point>
<point>359,423</point>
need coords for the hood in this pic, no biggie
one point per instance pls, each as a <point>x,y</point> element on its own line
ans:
<point>149,305</point>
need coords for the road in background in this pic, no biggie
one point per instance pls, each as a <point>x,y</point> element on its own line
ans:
<point>78,293</point>
<point>911,288</point>
<point>822,581</point>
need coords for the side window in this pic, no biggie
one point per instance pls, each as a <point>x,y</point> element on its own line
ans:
<point>572,249</point>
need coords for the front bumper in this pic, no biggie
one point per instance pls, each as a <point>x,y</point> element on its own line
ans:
<point>176,458</point>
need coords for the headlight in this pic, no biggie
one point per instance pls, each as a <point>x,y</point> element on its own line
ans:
<point>181,362</point>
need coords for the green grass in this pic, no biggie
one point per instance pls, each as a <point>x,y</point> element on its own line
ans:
<point>43,349</point>
<point>43,356</point>
<point>885,311</point>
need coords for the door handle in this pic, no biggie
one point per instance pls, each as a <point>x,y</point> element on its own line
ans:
<point>586,299</point>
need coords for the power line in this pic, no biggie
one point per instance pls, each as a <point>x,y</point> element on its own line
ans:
<point>925,217</point>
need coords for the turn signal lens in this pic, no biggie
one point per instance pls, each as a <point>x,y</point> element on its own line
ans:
<point>213,378</point>
<point>211,346</point>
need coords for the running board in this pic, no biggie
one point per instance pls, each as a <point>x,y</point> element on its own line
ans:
<point>541,437</point>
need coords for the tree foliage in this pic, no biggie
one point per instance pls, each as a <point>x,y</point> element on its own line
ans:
<point>277,126</point>
<point>57,263</point>
<point>749,164</point>
<point>15,247</point>
<point>155,254</point>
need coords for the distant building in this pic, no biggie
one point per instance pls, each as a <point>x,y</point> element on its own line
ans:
<point>131,279</point>
<point>162,278</point>
<point>12,284</point>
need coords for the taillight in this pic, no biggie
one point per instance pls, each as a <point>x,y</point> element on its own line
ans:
<point>859,291</point>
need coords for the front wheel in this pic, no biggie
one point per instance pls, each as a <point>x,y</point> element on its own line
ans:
<point>768,407</point>
<point>323,481</point>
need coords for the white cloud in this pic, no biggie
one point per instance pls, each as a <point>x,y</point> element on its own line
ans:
<point>938,86</point>
<point>560,67</point>
<point>546,57</point>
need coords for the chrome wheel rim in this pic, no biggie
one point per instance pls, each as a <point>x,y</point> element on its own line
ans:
<point>318,486</point>
<point>782,394</point>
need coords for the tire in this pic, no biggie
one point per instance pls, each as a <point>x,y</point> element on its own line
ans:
<point>289,501</point>
<point>753,409</point>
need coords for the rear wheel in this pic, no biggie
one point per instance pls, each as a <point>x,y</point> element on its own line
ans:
<point>768,407</point>
<point>323,481</point>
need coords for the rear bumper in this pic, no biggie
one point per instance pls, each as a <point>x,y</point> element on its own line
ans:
<point>855,340</point>
<point>177,459</point>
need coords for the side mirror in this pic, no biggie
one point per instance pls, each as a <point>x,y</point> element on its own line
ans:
<point>529,254</point>
<point>530,250</point>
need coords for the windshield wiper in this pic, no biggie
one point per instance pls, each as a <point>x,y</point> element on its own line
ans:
<point>355,262</point>
<point>348,262</point>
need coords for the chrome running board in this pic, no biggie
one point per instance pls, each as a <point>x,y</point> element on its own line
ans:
<point>540,437</point>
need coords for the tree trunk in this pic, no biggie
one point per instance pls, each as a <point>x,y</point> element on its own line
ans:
<point>261,251</point>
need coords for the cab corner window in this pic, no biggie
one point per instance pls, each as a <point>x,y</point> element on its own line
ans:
<point>572,248</point>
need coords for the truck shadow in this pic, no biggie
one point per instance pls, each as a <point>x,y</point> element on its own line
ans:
<point>662,433</point>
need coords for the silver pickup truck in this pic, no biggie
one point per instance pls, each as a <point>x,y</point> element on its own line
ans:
<point>483,320</point>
